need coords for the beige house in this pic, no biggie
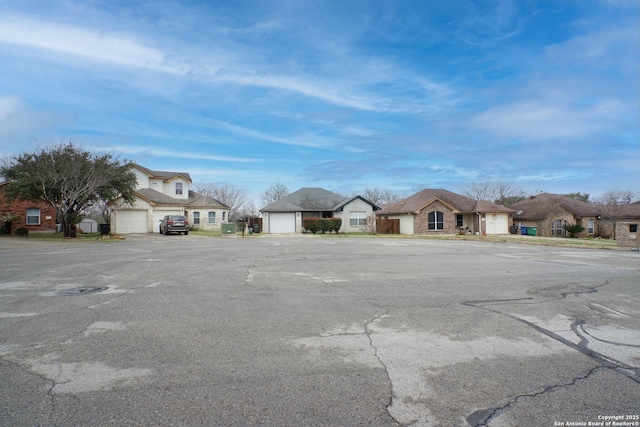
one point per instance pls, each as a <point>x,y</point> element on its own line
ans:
<point>160,193</point>
<point>288,214</point>
<point>437,211</point>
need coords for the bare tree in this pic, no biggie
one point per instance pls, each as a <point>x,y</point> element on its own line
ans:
<point>501,192</point>
<point>380,196</point>
<point>234,197</point>
<point>617,197</point>
<point>275,192</point>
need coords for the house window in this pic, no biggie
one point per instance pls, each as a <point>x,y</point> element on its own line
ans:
<point>357,218</point>
<point>633,228</point>
<point>224,216</point>
<point>591,226</point>
<point>33,216</point>
<point>196,217</point>
<point>459,221</point>
<point>557,228</point>
<point>436,220</point>
<point>212,217</point>
<point>178,188</point>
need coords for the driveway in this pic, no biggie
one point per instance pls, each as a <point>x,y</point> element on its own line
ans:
<point>309,330</point>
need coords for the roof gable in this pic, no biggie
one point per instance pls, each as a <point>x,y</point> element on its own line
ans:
<point>416,203</point>
<point>164,175</point>
<point>346,201</point>
<point>307,199</point>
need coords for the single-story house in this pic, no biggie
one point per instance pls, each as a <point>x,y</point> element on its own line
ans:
<point>160,193</point>
<point>551,212</point>
<point>437,211</point>
<point>621,223</point>
<point>34,216</point>
<point>287,214</point>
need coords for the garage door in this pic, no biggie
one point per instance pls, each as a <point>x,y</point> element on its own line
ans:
<point>497,223</point>
<point>131,222</point>
<point>282,223</point>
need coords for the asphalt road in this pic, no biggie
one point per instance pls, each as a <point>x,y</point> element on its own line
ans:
<point>314,331</point>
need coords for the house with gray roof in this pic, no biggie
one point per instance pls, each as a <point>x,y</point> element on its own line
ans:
<point>160,193</point>
<point>437,211</point>
<point>287,214</point>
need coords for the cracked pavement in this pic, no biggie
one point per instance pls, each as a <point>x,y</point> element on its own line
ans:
<point>312,330</point>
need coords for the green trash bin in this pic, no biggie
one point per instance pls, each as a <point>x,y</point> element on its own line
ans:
<point>532,231</point>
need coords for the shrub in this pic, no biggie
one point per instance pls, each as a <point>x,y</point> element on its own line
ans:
<point>21,231</point>
<point>573,229</point>
<point>334,224</point>
<point>322,224</point>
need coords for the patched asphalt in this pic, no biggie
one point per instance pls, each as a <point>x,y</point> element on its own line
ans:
<point>312,330</point>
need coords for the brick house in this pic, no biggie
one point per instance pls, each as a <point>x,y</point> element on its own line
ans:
<point>621,223</point>
<point>34,216</point>
<point>437,211</point>
<point>551,212</point>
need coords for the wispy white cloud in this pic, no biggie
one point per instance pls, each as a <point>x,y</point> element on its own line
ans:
<point>177,153</point>
<point>87,43</point>
<point>309,141</point>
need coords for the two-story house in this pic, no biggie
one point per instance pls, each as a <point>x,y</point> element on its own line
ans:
<point>160,193</point>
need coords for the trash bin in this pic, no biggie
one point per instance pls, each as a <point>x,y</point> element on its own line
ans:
<point>514,229</point>
<point>256,228</point>
<point>105,228</point>
<point>532,231</point>
<point>523,230</point>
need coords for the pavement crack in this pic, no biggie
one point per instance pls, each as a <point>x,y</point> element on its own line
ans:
<point>49,393</point>
<point>368,332</point>
<point>482,417</point>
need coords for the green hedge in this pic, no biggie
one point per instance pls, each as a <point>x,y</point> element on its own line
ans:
<point>322,224</point>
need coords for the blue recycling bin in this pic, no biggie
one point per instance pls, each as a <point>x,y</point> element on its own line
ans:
<point>523,230</point>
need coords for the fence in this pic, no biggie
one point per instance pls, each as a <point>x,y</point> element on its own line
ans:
<point>387,226</point>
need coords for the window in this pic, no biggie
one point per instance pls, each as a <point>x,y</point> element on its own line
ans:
<point>557,228</point>
<point>357,218</point>
<point>224,216</point>
<point>33,216</point>
<point>591,227</point>
<point>178,188</point>
<point>196,217</point>
<point>459,221</point>
<point>212,217</point>
<point>436,221</point>
<point>633,228</point>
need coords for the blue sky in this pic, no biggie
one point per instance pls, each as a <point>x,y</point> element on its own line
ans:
<point>336,94</point>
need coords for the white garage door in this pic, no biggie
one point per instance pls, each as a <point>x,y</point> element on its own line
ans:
<point>497,223</point>
<point>282,223</point>
<point>131,222</point>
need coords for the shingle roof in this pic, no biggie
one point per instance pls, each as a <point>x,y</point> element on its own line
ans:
<point>306,199</point>
<point>164,175</point>
<point>422,199</point>
<point>532,207</point>
<point>630,211</point>
<point>312,200</point>
<point>200,200</point>
<point>195,199</point>
<point>157,197</point>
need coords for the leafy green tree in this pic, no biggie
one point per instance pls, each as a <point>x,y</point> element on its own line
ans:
<point>69,178</point>
<point>583,197</point>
